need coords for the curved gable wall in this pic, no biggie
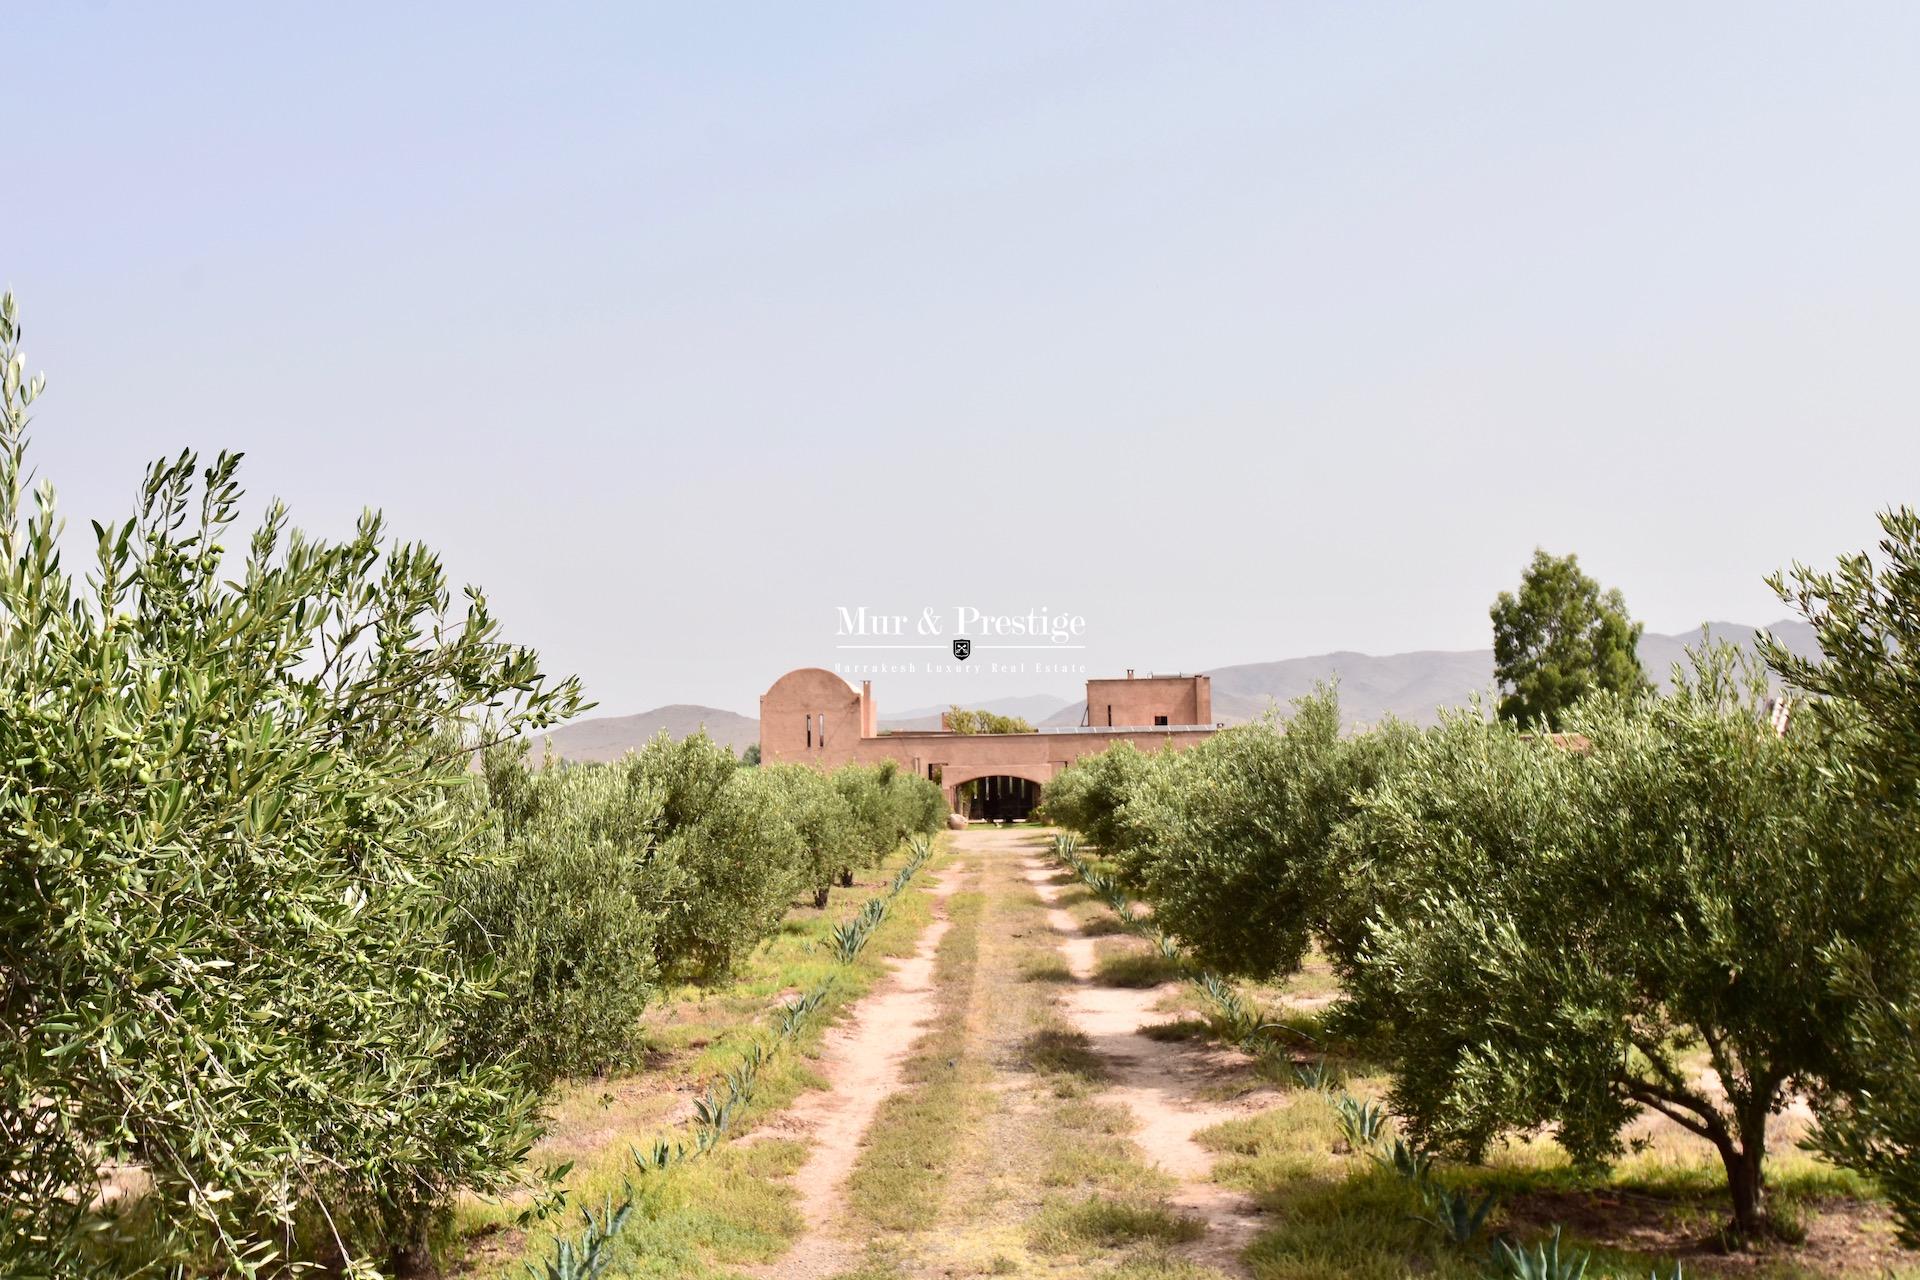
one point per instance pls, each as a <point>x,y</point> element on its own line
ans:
<point>796,709</point>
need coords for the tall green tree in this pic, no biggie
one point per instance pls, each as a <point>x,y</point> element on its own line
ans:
<point>229,818</point>
<point>1559,932</point>
<point>1866,617</point>
<point>1560,638</point>
<point>565,911</point>
<point>1238,855</point>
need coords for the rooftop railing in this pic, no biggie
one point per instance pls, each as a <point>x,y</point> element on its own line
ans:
<point>1128,728</point>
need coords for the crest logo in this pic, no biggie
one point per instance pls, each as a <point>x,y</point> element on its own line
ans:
<point>962,648</point>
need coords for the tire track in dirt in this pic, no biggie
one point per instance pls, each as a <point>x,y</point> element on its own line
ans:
<point>861,1061</point>
<point>1162,1083</point>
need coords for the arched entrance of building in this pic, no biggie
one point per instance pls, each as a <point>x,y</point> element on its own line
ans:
<point>997,797</point>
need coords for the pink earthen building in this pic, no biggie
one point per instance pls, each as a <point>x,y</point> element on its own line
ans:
<point>812,716</point>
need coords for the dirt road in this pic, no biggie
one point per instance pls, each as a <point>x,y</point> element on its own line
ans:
<point>994,1108</point>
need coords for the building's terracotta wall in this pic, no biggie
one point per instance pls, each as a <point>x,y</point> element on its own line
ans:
<point>959,757</point>
<point>962,757</point>
<point>1130,702</point>
<point>800,703</point>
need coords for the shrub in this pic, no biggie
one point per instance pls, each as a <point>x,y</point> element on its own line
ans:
<point>230,814</point>
<point>823,822</point>
<point>742,859</point>
<point>1090,796</point>
<point>887,806</point>
<point>919,808</point>
<point>568,913</point>
<point>1558,928</point>
<point>687,774</point>
<point>1237,851</point>
<point>1867,696</point>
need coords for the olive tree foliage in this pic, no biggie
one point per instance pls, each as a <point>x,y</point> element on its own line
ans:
<point>1558,930</point>
<point>1091,797</point>
<point>964,720</point>
<point>823,824</point>
<point>1866,616</point>
<point>733,844</point>
<point>1560,638</point>
<point>887,806</point>
<point>918,806</point>
<point>229,817</point>
<point>743,842</point>
<point>567,911</point>
<point>1236,848</point>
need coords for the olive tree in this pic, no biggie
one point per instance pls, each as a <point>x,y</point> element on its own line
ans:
<point>227,823</point>
<point>823,822</point>
<point>922,809</point>
<point>1866,687</point>
<point>1564,932</point>
<point>965,720</point>
<point>1090,796</point>
<point>1238,857</point>
<point>742,859</point>
<point>567,912</point>
<point>886,806</point>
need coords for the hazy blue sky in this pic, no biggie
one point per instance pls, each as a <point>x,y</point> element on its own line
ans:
<point>1244,331</point>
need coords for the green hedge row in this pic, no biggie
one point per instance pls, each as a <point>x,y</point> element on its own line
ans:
<point>1552,932</point>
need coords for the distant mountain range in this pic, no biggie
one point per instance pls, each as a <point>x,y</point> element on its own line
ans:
<point>1412,686</point>
<point>1416,686</point>
<point>610,737</point>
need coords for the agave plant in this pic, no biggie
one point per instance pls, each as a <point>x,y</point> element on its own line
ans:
<point>795,1013</point>
<point>1405,1161</point>
<point>1543,1262</point>
<point>1313,1075</point>
<point>1455,1214</point>
<point>715,1115</point>
<point>847,940</point>
<point>591,1256</point>
<point>1362,1121</point>
<point>1216,989</point>
<point>739,1080</point>
<point>659,1156</point>
<point>1239,1022</point>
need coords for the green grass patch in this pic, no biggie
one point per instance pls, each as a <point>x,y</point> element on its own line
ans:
<point>732,1206</point>
<point>1046,966</point>
<point>899,1182</point>
<point>1132,963</point>
<point>1177,1030</point>
<point>1059,1050</point>
<point>1156,1263</point>
<point>1101,1222</point>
